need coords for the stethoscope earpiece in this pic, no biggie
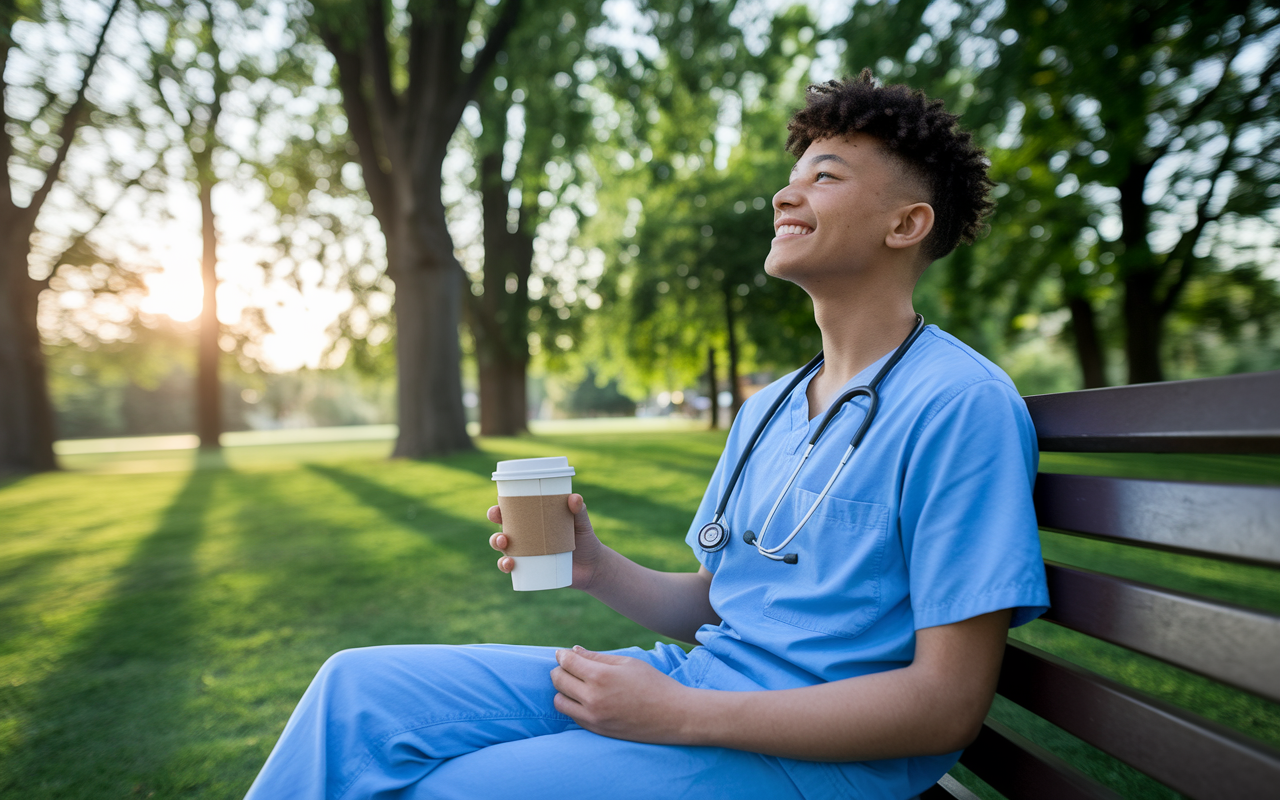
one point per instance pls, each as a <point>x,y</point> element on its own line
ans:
<point>714,535</point>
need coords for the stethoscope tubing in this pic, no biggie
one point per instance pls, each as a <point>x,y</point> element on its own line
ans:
<point>873,398</point>
<point>813,364</point>
<point>765,551</point>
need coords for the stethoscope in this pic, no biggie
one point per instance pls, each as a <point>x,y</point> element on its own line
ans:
<point>715,534</point>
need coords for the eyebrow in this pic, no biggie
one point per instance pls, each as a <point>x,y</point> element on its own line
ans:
<point>820,158</point>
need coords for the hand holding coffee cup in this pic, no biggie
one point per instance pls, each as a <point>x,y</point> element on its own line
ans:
<point>588,552</point>
<point>536,521</point>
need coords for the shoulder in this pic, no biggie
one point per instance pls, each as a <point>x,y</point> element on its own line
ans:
<point>942,368</point>
<point>945,361</point>
<point>948,386</point>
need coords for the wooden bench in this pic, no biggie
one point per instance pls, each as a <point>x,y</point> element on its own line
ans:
<point>1228,643</point>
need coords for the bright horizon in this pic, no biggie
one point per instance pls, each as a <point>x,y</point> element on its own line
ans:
<point>298,320</point>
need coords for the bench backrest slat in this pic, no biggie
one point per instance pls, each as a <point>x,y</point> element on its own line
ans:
<point>1233,414</point>
<point>1021,770</point>
<point>1229,643</point>
<point>1190,754</point>
<point>1219,520</point>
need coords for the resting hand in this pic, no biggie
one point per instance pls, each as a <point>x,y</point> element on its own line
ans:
<point>587,550</point>
<point>621,697</point>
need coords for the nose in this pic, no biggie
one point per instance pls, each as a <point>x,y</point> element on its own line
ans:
<point>787,197</point>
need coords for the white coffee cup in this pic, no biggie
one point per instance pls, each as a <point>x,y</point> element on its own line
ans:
<point>539,541</point>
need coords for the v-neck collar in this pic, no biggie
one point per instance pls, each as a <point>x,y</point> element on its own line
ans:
<point>801,425</point>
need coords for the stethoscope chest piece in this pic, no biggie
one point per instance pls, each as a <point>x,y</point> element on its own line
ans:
<point>713,536</point>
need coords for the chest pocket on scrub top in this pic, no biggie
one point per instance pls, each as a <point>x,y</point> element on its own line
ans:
<point>834,588</point>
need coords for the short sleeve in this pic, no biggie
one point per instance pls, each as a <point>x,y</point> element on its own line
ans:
<point>968,524</point>
<point>745,420</point>
<point>706,513</point>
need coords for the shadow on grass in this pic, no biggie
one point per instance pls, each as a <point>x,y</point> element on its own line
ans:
<point>112,695</point>
<point>454,567</point>
<point>413,511</point>
<point>11,479</point>
<point>331,570</point>
<point>19,582</point>
<point>632,509</point>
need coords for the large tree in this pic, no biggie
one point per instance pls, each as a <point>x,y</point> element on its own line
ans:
<point>189,77</point>
<point>405,82</point>
<point>197,65</point>
<point>1165,115</point>
<point>26,414</point>
<point>535,124</point>
<point>696,222</point>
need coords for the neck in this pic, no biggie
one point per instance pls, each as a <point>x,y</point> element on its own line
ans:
<point>859,325</point>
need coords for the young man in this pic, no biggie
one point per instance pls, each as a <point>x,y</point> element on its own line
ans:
<point>856,668</point>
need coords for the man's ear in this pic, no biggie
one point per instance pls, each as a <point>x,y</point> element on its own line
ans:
<point>912,224</point>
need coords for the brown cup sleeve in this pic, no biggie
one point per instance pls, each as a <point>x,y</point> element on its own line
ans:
<point>538,525</point>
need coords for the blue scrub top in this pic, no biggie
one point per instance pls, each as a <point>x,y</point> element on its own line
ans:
<point>931,522</point>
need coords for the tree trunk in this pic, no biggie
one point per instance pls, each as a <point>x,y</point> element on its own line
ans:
<point>503,398</point>
<point>962,310</point>
<point>428,296</point>
<point>26,412</point>
<point>735,390</point>
<point>401,137</point>
<point>500,318</point>
<point>1143,318</point>
<point>1144,325</point>
<point>208,387</point>
<point>713,388</point>
<point>1089,352</point>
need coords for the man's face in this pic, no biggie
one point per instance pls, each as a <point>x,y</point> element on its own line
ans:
<point>832,218</point>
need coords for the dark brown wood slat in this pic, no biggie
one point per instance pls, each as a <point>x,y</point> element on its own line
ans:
<point>1234,414</point>
<point>1022,770</point>
<point>1240,523</point>
<point>1229,643</point>
<point>947,788</point>
<point>1190,754</point>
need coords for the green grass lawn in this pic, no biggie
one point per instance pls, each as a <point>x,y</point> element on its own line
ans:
<point>158,622</point>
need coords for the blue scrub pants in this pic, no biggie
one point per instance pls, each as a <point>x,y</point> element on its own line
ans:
<point>477,721</point>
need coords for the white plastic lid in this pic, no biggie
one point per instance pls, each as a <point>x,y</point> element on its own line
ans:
<point>524,469</point>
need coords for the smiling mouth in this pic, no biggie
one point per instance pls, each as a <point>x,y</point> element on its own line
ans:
<point>793,230</point>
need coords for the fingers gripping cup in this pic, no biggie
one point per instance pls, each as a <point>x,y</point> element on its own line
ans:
<point>533,494</point>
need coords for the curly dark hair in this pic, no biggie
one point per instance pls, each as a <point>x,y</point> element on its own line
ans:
<point>920,134</point>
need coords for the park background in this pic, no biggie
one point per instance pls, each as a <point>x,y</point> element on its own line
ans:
<point>251,248</point>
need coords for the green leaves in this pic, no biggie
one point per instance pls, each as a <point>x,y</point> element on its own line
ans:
<point>1131,139</point>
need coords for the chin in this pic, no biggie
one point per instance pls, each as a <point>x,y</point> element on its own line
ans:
<point>776,267</point>
<point>785,269</point>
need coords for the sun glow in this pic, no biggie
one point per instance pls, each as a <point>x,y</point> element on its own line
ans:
<point>176,293</point>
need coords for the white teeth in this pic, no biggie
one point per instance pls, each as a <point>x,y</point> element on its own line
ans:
<point>793,230</point>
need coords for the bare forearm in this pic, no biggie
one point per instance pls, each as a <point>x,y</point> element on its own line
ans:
<point>885,715</point>
<point>934,705</point>
<point>674,604</point>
